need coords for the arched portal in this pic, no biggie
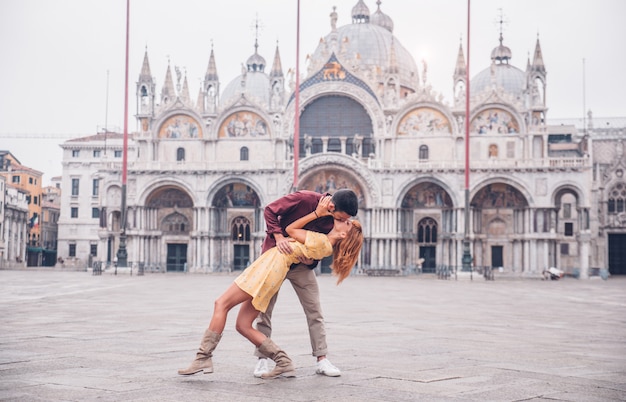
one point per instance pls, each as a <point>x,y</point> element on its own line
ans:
<point>329,118</point>
<point>237,215</point>
<point>498,222</point>
<point>170,215</point>
<point>328,180</point>
<point>426,211</point>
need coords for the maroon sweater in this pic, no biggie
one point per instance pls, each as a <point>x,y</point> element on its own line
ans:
<point>285,210</point>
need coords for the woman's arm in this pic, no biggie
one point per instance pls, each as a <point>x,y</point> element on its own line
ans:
<point>295,229</point>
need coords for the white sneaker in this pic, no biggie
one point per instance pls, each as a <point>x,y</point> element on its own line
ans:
<point>261,368</point>
<point>325,367</point>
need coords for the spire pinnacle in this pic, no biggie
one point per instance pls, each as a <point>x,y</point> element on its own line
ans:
<point>538,58</point>
<point>145,68</point>
<point>211,71</point>
<point>460,69</point>
<point>277,69</point>
<point>168,93</point>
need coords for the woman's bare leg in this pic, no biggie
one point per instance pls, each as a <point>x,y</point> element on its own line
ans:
<point>229,299</point>
<point>245,318</point>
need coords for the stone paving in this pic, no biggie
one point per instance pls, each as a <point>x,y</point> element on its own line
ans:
<point>71,336</point>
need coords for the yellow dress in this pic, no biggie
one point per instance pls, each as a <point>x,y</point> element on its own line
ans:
<point>265,275</point>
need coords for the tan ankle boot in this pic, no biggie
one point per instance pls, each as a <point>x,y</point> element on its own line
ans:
<point>203,362</point>
<point>284,366</point>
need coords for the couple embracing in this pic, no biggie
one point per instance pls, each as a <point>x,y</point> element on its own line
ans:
<point>302,228</point>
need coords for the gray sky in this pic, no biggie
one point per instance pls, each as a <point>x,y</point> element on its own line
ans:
<point>62,70</point>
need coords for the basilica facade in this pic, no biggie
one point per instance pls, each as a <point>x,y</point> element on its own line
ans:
<point>200,170</point>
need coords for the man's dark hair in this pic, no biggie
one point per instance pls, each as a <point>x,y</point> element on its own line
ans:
<point>346,201</point>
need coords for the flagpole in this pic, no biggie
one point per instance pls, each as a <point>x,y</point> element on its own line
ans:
<point>467,256</point>
<point>296,133</point>
<point>122,254</point>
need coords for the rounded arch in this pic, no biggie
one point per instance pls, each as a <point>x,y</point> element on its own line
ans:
<point>356,93</point>
<point>361,175</point>
<point>571,188</point>
<point>180,124</point>
<point>172,182</point>
<point>335,116</point>
<point>169,196</point>
<point>413,185</point>
<point>496,119</point>
<point>426,195</point>
<point>332,178</point>
<point>497,226</point>
<point>219,189</point>
<point>424,118</point>
<point>236,195</point>
<point>244,123</point>
<point>175,223</point>
<point>524,192</point>
<point>498,195</point>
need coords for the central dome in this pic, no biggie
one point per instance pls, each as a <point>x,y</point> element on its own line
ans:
<point>366,46</point>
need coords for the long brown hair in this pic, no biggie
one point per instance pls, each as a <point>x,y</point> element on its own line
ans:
<point>346,252</point>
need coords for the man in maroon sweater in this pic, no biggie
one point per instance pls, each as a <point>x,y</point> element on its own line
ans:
<point>279,214</point>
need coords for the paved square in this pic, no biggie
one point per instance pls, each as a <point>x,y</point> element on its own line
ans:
<point>71,336</point>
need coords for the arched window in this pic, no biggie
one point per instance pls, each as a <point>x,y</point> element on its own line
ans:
<point>243,154</point>
<point>240,229</point>
<point>423,155</point>
<point>144,96</point>
<point>617,199</point>
<point>335,116</point>
<point>180,154</point>
<point>175,223</point>
<point>427,231</point>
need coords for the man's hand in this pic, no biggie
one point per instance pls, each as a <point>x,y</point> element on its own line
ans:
<point>282,243</point>
<point>283,246</point>
<point>324,207</point>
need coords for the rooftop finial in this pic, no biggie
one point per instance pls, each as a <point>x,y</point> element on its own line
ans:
<point>501,21</point>
<point>257,28</point>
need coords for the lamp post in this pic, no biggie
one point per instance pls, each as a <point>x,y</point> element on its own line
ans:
<point>122,254</point>
<point>467,256</point>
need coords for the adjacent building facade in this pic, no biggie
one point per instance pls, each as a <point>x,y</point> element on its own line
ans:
<point>201,170</point>
<point>13,225</point>
<point>22,182</point>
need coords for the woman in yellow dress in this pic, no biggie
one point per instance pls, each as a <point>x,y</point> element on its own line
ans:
<point>254,288</point>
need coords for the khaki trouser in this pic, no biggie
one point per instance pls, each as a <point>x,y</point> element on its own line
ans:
<point>304,282</point>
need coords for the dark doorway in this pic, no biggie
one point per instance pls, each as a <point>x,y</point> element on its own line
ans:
<point>496,257</point>
<point>176,257</point>
<point>242,257</point>
<point>617,254</point>
<point>430,261</point>
<point>109,245</point>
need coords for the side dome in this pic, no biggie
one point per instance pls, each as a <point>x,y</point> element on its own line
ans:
<point>509,77</point>
<point>255,85</point>
<point>360,12</point>
<point>253,82</point>
<point>381,19</point>
<point>501,73</point>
